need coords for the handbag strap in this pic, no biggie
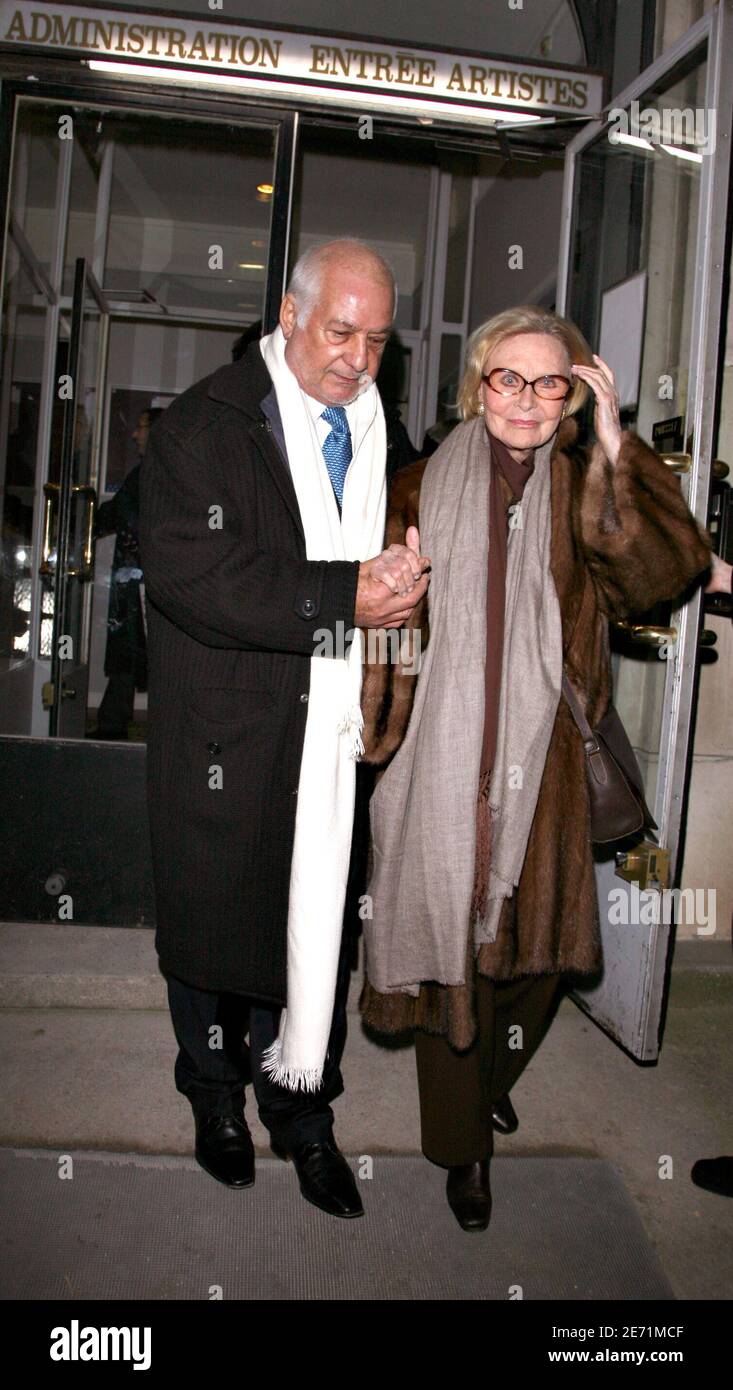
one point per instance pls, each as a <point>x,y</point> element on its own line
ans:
<point>578,713</point>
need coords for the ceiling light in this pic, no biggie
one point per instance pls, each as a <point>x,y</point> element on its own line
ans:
<point>637,142</point>
<point>454,111</point>
<point>682,154</point>
<point>267,188</point>
<point>251,265</point>
<point>616,138</point>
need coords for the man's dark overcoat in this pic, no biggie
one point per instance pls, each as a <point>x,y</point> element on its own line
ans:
<point>232,612</point>
<point>233,607</point>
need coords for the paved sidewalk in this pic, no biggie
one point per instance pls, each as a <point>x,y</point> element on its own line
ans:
<point>81,1078</point>
<point>121,1226</point>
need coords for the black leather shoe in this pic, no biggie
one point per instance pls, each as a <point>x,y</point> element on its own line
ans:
<point>714,1174</point>
<point>504,1116</point>
<point>225,1150</point>
<point>325,1177</point>
<point>469,1195</point>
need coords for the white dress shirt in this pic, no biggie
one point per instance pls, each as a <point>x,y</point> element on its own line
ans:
<point>323,429</point>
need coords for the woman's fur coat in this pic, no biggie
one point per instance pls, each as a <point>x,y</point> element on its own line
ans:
<point>623,540</point>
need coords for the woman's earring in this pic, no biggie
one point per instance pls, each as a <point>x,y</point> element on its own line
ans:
<point>480,407</point>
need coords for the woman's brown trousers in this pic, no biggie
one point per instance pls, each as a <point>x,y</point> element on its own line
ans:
<point>458,1089</point>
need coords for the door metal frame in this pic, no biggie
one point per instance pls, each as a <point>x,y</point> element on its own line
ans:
<point>440,327</point>
<point>84,280</point>
<point>281,220</point>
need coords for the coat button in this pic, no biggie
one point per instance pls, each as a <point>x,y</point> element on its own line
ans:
<point>304,699</point>
<point>213,748</point>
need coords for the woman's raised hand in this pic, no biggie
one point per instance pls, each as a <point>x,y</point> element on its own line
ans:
<point>607,421</point>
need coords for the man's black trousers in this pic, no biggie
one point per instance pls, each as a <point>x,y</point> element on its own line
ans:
<point>214,1078</point>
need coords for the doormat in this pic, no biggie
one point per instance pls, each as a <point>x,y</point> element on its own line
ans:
<point>127,1226</point>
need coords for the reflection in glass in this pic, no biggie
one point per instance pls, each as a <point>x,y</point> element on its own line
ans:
<point>22,351</point>
<point>37,153</point>
<point>457,258</point>
<point>449,376</point>
<point>165,246</point>
<point>382,197</point>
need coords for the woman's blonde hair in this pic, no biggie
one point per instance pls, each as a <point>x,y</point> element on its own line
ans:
<point>525,318</point>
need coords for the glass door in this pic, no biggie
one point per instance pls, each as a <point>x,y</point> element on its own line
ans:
<point>112,183</point>
<point>641,273</point>
<point>30,324</point>
<point>68,533</point>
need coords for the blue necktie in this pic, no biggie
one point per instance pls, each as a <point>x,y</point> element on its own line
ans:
<point>337,448</point>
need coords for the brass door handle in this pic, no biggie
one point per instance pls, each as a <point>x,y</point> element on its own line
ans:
<point>682,463</point>
<point>47,565</point>
<point>648,635</point>
<point>86,569</point>
<point>677,463</point>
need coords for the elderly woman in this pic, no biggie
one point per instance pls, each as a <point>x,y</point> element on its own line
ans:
<point>483,888</point>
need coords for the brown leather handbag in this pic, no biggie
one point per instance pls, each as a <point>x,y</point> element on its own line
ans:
<point>615,783</point>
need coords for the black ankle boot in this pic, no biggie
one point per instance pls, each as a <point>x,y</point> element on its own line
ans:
<point>469,1195</point>
<point>504,1116</point>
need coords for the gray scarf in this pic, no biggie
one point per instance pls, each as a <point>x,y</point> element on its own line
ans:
<point>423,811</point>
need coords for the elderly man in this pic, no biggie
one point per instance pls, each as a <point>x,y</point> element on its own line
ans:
<point>262,522</point>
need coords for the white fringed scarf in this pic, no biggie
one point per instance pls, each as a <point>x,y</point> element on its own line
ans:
<point>332,745</point>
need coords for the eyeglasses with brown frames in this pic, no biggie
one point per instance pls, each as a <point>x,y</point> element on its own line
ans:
<point>507,382</point>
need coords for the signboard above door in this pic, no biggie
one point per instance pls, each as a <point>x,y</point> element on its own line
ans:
<point>372,75</point>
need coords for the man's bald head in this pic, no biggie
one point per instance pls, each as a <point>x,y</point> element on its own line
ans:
<point>331,257</point>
